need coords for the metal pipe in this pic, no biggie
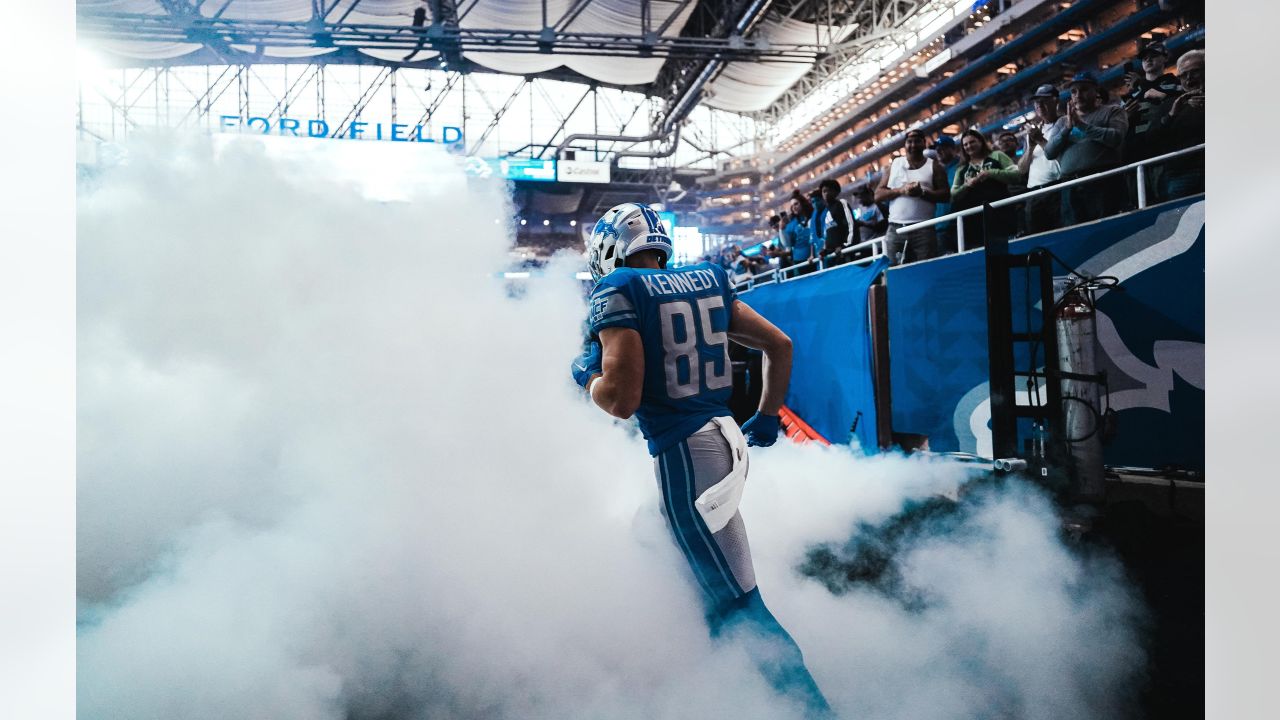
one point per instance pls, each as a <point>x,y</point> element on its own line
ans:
<point>613,138</point>
<point>661,153</point>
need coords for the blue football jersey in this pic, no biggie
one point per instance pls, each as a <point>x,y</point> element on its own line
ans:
<point>682,316</point>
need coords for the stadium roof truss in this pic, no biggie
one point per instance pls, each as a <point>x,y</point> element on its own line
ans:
<point>676,60</point>
<point>183,25</point>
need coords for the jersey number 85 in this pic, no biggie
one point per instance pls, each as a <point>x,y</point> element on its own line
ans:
<point>696,334</point>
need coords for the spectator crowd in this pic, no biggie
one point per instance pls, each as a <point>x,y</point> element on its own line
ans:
<point>1157,113</point>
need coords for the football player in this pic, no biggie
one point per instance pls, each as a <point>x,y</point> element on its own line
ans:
<point>660,350</point>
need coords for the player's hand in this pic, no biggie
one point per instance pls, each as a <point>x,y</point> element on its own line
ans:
<point>587,365</point>
<point>761,430</point>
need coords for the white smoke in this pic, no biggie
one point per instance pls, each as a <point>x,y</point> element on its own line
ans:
<point>329,467</point>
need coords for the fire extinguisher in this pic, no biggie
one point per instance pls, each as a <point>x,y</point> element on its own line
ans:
<point>1082,421</point>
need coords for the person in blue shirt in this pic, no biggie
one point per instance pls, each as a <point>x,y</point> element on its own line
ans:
<point>869,220</point>
<point>798,230</point>
<point>817,224</point>
<point>659,350</point>
<point>949,158</point>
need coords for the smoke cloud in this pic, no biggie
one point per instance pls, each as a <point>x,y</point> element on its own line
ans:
<point>331,467</point>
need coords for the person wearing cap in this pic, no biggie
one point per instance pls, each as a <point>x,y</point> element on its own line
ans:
<point>1042,211</point>
<point>1147,91</point>
<point>912,186</point>
<point>948,153</point>
<point>1091,141</point>
<point>1153,85</point>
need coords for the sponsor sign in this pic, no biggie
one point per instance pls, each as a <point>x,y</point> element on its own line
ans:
<point>582,171</point>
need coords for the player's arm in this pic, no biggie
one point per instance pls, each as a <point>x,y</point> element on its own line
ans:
<point>748,327</point>
<point>617,389</point>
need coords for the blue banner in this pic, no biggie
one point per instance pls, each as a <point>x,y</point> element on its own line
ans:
<point>1150,336</point>
<point>825,315</point>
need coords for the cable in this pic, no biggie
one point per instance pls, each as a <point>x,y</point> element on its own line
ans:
<point>1100,282</point>
<point>1097,418</point>
<point>1033,377</point>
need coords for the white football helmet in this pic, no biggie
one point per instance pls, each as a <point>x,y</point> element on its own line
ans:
<point>625,229</point>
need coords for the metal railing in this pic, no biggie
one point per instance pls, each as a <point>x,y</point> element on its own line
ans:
<point>823,263</point>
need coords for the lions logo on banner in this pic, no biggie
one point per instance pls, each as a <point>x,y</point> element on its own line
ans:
<point>1150,337</point>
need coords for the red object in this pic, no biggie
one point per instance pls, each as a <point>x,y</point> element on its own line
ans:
<point>797,429</point>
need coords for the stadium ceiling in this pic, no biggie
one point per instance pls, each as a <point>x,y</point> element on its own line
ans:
<point>736,55</point>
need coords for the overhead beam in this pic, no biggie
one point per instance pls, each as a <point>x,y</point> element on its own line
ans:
<point>299,84</point>
<point>370,90</point>
<point>100,24</point>
<point>563,121</point>
<point>497,115</point>
<point>347,12</point>
<point>672,17</point>
<point>571,14</point>
<point>431,107</point>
